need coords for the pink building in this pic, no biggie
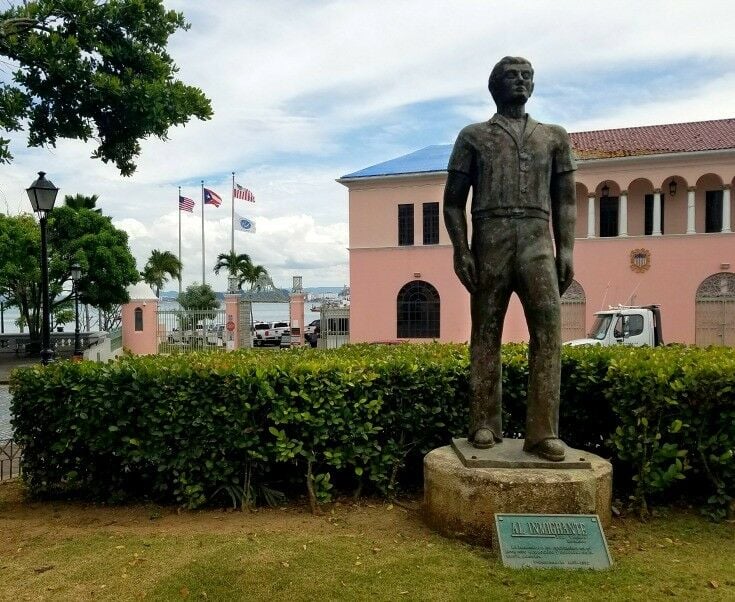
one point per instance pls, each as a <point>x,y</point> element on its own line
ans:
<point>654,225</point>
<point>140,327</point>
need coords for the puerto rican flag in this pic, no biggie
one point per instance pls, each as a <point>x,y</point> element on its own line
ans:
<point>212,198</point>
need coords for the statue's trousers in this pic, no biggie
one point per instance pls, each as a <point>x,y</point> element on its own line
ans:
<point>515,254</point>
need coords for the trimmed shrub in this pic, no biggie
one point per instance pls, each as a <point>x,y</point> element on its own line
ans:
<point>247,424</point>
<point>675,421</point>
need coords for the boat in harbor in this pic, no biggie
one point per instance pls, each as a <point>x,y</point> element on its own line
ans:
<point>341,299</point>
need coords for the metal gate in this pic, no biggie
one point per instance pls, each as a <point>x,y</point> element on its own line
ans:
<point>715,311</point>
<point>11,457</point>
<point>334,327</point>
<point>573,310</point>
<point>182,331</point>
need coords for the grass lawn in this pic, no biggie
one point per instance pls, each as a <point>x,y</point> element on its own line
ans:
<point>368,551</point>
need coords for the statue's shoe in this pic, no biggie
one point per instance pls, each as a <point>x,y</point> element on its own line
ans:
<point>549,449</point>
<point>484,439</point>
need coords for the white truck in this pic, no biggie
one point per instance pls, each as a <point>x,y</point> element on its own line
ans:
<point>625,325</point>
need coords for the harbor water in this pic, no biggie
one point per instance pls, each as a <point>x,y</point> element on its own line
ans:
<point>262,312</point>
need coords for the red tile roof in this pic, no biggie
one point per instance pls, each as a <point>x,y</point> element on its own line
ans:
<point>655,139</point>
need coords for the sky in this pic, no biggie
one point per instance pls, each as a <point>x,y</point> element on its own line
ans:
<point>304,92</point>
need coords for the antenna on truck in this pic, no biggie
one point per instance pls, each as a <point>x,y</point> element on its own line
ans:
<point>631,299</point>
<point>604,297</point>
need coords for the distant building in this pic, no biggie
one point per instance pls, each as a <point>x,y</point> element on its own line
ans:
<point>654,225</point>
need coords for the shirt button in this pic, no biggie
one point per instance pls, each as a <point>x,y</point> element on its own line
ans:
<point>524,166</point>
<point>524,188</point>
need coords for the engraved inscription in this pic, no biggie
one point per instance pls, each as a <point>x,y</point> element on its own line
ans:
<point>543,541</point>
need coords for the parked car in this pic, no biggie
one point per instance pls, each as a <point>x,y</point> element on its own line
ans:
<point>195,335</point>
<point>258,329</point>
<point>188,335</point>
<point>269,333</point>
<point>311,334</point>
<point>216,335</point>
<point>285,340</point>
<point>175,336</point>
<point>272,335</point>
<point>311,326</point>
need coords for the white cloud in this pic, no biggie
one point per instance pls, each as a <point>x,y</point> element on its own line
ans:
<point>136,230</point>
<point>291,82</point>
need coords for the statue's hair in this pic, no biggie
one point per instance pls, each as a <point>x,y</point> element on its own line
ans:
<point>499,69</point>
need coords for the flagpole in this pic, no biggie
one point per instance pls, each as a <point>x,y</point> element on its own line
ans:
<point>203,275</point>
<point>179,203</point>
<point>232,223</point>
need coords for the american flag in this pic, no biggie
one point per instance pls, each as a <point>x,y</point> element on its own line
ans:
<point>186,204</point>
<point>243,193</point>
<point>212,198</point>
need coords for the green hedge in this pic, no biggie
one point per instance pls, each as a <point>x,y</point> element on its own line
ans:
<point>197,427</point>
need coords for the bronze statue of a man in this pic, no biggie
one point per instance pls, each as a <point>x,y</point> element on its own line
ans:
<point>522,174</point>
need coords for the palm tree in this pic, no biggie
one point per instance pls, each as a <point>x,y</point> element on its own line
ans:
<point>240,265</point>
<point>251,274</point>
<point>81,201</point>
<point>233,262</point>
<point>160,265</point>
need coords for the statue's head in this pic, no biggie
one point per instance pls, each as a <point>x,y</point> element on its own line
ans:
<point>511,80</point>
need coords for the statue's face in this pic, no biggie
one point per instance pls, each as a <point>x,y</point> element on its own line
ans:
<point>516,85</point>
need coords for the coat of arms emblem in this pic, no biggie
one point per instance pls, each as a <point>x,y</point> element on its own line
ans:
<point>640,260</point>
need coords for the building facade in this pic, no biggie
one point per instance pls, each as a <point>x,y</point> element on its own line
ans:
<point>654,226</point>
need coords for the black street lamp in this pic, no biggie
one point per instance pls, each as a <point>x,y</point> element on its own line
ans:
<point>76,274</point>
<point>42,194</point>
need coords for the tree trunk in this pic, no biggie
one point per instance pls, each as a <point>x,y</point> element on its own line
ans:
<point>310,488</point>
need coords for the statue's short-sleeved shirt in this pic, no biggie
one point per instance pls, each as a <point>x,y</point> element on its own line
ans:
<point>509,171</point>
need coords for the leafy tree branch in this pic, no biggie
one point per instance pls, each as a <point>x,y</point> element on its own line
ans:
<point>94,70</point>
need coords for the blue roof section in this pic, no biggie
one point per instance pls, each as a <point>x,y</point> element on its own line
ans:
<point>431,158</point>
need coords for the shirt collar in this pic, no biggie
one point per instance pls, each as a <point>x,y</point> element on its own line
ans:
<point>502,122</point>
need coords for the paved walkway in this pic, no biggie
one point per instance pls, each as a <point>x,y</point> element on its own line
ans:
<point>6,365</point>
<point>5,431</point>
<point>10,363</point>
<point>9,451</point>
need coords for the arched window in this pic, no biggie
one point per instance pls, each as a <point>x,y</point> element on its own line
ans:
<point>138,319</point>
<point>715,311</point>
<point>418,311</point>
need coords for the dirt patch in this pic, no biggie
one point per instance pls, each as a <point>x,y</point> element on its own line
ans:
<point>22,518</point>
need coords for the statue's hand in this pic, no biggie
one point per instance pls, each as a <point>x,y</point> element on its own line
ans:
<point>564,271</point>
<point>464,266</point>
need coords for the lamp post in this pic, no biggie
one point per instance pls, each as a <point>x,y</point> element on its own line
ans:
<point>42,194</point>
<point>76,274</point>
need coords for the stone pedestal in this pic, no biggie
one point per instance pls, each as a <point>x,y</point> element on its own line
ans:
<point>461,501</point>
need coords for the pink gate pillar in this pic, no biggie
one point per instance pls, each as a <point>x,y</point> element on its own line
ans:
<point>296,312</point>
<point>140,320</point>
<point>232,321</point>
